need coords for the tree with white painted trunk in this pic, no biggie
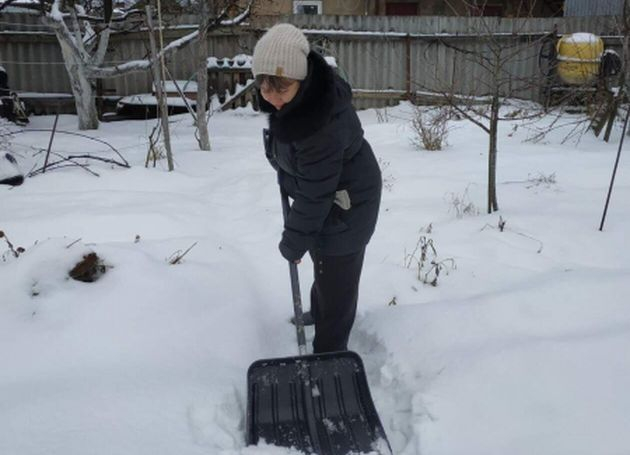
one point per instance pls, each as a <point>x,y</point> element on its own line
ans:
<point>84,44</point>
<point>78,55</point>
<point>202,77</point>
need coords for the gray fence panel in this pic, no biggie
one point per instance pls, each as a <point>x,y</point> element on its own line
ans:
<point>181,65</point>
<point>28,22</point>
<point>372,61</point>
<point>593,8</point>
<point>33,65</point>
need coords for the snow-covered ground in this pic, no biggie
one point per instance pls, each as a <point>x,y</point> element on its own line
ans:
<point>521,348</point>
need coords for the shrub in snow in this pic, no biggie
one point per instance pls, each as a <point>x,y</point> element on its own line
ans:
<point>462,205</point>
<point>537,180</point>
<point>388,178</point>
<point>542,179</point>
<point>430,128</point>
<point>382,115</point>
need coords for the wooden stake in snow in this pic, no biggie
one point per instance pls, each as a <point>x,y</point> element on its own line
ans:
<point>52,135</point>
<point>158,78</point>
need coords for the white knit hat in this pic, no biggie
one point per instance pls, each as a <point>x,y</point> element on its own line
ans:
<point>282,51</point>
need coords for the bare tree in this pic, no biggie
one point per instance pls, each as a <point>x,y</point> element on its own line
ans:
<point>202,77</point>
<point>159,76</point>
<point>84,43</point>
<point>493,56</point>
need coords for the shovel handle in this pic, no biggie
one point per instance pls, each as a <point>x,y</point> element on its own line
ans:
<point>295,286</point>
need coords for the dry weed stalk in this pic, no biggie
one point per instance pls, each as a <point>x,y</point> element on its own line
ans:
<point>14,251</point>
<point>428,274</point>
<point>177,256</point>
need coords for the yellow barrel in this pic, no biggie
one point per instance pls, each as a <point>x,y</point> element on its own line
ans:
<point>579,55</point>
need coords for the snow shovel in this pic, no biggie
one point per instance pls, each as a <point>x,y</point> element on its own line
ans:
<point>318,403</point>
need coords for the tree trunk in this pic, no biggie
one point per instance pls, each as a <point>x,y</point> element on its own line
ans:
<point>84,69</point>
<point>625,73</point>
<point>493,205</point>
<point>82,88</point>
<point>158,77</point>
<point>202,77</point>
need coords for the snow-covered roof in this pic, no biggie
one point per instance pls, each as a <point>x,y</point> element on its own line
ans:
<point>184,86</point>
<point>147,99</point>
<point>18,3</point>
<point>20,7</point>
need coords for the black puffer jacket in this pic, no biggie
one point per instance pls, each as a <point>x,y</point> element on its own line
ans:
<point>316,144</point>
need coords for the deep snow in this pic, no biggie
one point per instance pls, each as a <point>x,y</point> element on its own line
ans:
<point>521,348</point>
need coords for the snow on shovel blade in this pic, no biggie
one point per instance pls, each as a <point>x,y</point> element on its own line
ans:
<point>315,403</point>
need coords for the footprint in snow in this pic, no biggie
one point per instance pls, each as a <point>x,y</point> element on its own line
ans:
<point>398,403</point>
<point>217,422</point>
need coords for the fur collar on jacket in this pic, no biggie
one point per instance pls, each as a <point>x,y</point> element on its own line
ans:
<point>311,108</point>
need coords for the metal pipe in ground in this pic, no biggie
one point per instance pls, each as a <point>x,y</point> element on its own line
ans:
<point>612,180</point>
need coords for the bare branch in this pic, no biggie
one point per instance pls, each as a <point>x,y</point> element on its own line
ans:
<point>61,164</point>
<point>56,22</point>
<point>7,3</point>
<point>95,71</point>
<point>177,257</point>
<point>469,116</point>
<point>124,161</point>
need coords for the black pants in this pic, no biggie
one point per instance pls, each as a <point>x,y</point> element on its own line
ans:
<point>334,296</point>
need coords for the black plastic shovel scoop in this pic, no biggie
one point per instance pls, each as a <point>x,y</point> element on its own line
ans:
<point>315,403</point>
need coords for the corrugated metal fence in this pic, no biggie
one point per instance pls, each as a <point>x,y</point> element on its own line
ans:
<point>593,7</point>
<point>386,54</point>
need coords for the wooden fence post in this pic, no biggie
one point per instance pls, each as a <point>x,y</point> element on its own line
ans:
<point>408,67</point>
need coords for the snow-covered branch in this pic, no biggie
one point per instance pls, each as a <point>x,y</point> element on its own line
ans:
<point>95,71</point>
<point>84,48</point>
<point>7,3</point>
<point>55,20</point>
<point>240,18</point>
